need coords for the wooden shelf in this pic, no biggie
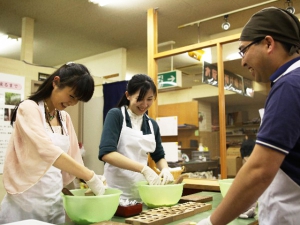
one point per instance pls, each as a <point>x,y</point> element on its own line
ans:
<point>233,131</point>
<point>188,128</point>
<point>243,125</point>
<point>235,135</point>
<point>190,148</point>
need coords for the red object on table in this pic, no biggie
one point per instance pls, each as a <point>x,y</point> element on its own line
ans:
<point>131,210</point>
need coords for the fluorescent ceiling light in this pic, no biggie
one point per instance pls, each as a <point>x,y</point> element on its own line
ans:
<point>128,76</point>
<point>233,56</point>
<point>101,2</point>
<point>9,43</point>
<point>207,57</point>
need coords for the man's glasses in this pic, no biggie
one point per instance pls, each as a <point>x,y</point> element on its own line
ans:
<point>245,49</point>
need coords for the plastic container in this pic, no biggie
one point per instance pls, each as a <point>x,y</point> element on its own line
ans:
<point>85,210</point>
<point>197,155</point>
<point>160,195</point>
<point>225,185</point>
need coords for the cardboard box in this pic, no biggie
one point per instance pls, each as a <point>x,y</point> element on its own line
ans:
<point>233,151</point>
<point>234,163</point>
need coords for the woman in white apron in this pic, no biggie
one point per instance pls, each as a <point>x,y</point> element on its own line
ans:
<point>128,136</point>
<point>43,154</point>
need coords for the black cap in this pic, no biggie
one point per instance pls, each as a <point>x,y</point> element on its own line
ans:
<point>282,25</point>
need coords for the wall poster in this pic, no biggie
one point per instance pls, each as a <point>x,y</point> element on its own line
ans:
<point>11,93</point>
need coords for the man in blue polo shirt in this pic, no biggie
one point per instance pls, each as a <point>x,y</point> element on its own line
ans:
<point>269,46</point>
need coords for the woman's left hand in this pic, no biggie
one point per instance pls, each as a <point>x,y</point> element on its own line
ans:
<point>166,175</point>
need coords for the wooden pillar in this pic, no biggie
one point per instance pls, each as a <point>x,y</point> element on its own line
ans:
<point>222,120</point>
<point>27,39</point>
<point>151,50</point>
<point>152,64</point>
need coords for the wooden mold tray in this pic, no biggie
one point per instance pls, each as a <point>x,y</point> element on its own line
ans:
<point>196,206</point>
<point>176,213</point>
<point>164,215</point>
<point>147,219</point>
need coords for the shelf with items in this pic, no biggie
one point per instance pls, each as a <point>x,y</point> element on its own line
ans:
<point>235,135</point>
<point>186,126</point>
<point>185,135</point>
<point>237,126</point>
<point>188,136</point>
<point>240,130</point>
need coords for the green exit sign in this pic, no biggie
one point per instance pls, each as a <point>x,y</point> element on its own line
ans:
<point>169,79</point>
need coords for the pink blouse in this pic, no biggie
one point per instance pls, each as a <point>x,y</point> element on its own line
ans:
<point>30,152</point>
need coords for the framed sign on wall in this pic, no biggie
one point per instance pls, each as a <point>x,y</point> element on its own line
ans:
<point>43,76</point>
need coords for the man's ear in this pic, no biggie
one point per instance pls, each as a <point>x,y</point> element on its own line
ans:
<point>270,41</point>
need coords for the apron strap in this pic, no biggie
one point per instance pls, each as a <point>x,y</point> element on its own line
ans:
<point>124,117</point>
<point>124,120</point>
<point>42,108</point>
<point>150,124</point>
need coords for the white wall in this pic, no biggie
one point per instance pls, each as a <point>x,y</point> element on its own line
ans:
<point>108,63</point>
<point>92,129</point>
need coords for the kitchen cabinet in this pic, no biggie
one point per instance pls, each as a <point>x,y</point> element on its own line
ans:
<point>187,114</point>
<point>188,122</point>
<point>187,117</point>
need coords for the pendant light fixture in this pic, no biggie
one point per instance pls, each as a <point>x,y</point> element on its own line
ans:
<point>290,7</point>
<point>226,24</point>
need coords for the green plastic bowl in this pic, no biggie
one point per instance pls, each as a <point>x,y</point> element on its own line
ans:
<point>91,209</point>
<point>160,195</point>
<point>225,185</point>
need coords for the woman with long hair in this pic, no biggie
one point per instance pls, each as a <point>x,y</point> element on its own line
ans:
<point>43,154</point>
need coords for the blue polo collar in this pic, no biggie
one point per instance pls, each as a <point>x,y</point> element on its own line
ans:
<point>282,69</point>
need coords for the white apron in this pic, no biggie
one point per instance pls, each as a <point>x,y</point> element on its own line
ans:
<point>280,203</point>
<point>134,145</point>
<point>42,201</point>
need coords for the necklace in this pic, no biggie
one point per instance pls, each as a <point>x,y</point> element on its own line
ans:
<point>50,117</point>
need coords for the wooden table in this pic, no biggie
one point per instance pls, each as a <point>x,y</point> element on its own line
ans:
<point>217,198</point>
